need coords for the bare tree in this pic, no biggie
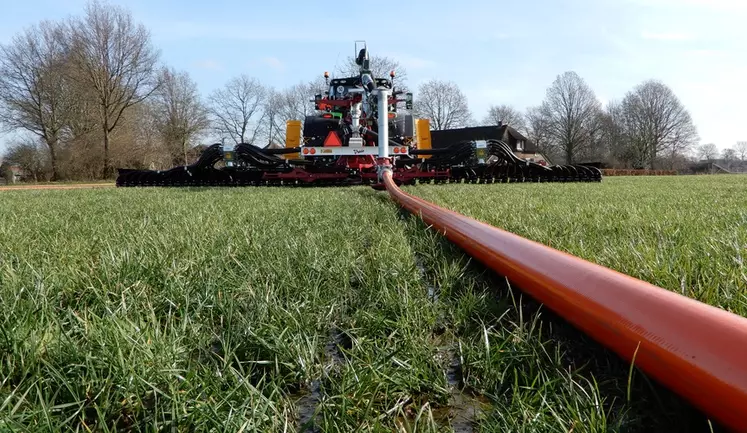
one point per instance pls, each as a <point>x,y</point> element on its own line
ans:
<point>29,154</point>
<point>572,112</point>
<point>444,104</point>
<point>114,58</point>
<point>148,144</point>
<point>292,103</point>
<point>296,101</point>
<point>6,172</point>
<point>180,114</point>
<point>729,156</point>
<point>380,67</point>
<point>538,130</point>
<point>741,150</point>
<point>655,121</point>
<point>83,121</point>
<point>274,121</point>
<point>33,92</point>
<point>604,134</point>
<point>708,152</point>
<point>619,153</point>
<point>506,114</point>
<point>238,109</point>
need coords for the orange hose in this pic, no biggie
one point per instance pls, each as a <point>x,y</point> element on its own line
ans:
<point>697,350</point>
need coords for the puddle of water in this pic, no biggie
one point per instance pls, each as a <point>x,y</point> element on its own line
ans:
<point>338,341</point>
<point>432,295</point>
<point>460,415</point>
<point>306,405</point>
<point>463,411</point>
<point>432,291</point>
<point>307,401</point>
<point>454,372</point>
<point>464,406</point>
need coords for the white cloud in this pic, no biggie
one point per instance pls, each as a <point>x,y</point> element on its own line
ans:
<point>209,64</point>
<point>705,4</point>
<point>700,54</point>
<point>274,63</point>
<point>304,31</point>
<point>180,30</point>
<point>666,36</point>
<point>410,62</point>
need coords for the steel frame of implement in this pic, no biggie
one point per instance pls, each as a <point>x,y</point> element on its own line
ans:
<point>697,350</point>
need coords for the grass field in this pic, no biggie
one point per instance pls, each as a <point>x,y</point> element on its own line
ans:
<point>263,309</point>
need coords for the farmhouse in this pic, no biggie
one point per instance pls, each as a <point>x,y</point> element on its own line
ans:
<point>11,173</point>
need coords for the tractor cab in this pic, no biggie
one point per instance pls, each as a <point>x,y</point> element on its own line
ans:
<point>343,88</point>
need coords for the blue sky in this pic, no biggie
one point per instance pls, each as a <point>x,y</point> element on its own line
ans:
<point>496,51</point>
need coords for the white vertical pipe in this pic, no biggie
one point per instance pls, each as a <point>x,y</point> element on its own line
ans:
<point>383,123</point>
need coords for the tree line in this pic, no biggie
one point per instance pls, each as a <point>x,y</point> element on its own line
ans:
<point>649,128</point>
<point>90,93</point>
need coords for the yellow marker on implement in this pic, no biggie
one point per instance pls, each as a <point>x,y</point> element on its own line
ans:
<point>292,137</point>
<point>423,131</point>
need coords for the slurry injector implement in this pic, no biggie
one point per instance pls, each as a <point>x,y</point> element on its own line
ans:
<point>358,129</point>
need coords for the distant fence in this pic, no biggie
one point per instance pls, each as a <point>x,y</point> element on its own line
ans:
<point>631,172</point>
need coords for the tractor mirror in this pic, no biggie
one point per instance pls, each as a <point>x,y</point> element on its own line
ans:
<point>362,59</point>
<point>408,100</point>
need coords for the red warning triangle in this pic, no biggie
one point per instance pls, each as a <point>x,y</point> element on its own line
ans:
<point>332,140</point>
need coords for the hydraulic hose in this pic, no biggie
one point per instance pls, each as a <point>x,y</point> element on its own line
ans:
<point>375,135</point>
<point>697,350</point>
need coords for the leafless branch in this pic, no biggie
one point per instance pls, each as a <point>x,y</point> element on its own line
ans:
<point>741,150</point>
<point>33,92</point>
<point>29,154</point>
<point>506,114</point>
<point>238,109</point>
<point>708,152</point>
<point>292,103</point>
<point>444,104</point>
<point>179,113</point>
<point>380,67</point>
<point>113,57</point>
<point>654,121</point>
<point>571,111</point>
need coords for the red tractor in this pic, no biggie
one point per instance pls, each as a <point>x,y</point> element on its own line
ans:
<point>358,130</point>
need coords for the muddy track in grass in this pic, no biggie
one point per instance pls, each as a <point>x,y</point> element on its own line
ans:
<point>307,401</point>
<point>465,406</point>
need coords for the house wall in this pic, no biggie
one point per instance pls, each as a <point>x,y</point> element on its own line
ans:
<point>16,174</point>
<point>533,157</point>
